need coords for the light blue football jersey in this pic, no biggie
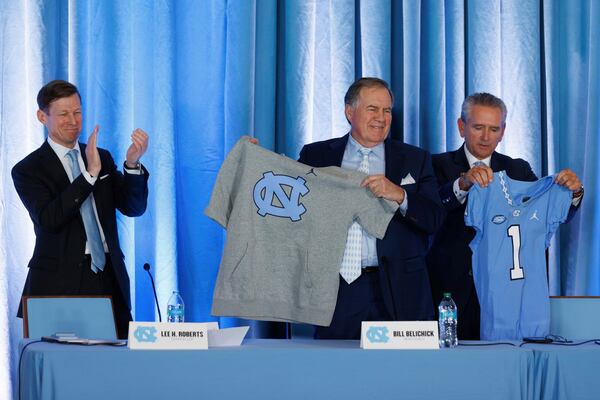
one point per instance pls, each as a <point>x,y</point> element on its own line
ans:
<point>514,222</point>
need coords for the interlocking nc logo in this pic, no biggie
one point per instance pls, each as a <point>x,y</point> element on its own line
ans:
<point>271,188</point>
<point>378,334</point>
<point>145,334</point>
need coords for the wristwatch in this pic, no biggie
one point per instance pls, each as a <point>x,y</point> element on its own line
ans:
<point>578,193</point>
<point>137,167</point>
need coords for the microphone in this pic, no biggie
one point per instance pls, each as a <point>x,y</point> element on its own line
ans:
<point>147,268</point>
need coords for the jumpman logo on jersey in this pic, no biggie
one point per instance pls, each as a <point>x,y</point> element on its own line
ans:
<point>534,216</point>
<point>312,171</point>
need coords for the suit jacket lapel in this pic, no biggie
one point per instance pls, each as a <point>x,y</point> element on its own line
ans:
<point>83,155</point>
<point>337,148</point>
<point>460,159</point>
<point>394,162</point>
<point>50,162</point>
<point>496,163</point>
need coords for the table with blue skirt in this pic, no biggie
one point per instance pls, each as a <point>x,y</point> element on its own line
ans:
<point>303,369</point>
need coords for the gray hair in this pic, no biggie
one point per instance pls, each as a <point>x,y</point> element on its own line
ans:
<point>482,99</point>
<point>353,93</point>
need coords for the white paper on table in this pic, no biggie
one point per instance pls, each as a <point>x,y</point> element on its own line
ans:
<point>227,337</point>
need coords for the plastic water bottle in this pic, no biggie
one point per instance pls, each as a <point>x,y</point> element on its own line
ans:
<point>175,308</point>
<point>448,321</point>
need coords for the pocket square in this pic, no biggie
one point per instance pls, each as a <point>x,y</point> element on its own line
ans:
<point>103,176</point>
<point>407,180</point>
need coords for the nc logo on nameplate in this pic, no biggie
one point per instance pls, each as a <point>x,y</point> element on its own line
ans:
<point>399,335</point>
<point>168,336</point>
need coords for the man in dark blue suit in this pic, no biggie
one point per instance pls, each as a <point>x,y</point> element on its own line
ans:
<point>72,191</point>
<point>393,283</point>
<point>481,124</point>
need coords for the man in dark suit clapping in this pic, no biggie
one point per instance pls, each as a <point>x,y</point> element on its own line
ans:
<point>72,191</point>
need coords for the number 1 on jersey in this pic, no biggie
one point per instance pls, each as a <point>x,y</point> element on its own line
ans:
<point>516,272</point>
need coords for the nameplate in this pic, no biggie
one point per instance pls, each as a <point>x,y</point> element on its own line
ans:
<point>399,335</point>
<point>168,336</point>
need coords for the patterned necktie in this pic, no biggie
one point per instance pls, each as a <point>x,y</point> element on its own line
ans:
<point>351,269</point>
<point>89,221</point>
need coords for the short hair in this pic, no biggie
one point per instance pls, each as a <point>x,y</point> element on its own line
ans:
<point>353,93</point>
<point>55,90</point>
<point>482,99</point>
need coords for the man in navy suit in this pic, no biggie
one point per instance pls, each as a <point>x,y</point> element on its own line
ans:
<point>481,124</point>
<point>393,283</point>
<point>77,252</point>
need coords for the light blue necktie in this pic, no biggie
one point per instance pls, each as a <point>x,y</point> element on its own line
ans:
<point>350,268</point>
<point>89,221</point>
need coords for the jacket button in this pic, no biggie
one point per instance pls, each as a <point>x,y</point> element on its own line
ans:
<point>470,272</point>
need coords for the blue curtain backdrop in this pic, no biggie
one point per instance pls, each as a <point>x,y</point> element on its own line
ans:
<point>197,75</point>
